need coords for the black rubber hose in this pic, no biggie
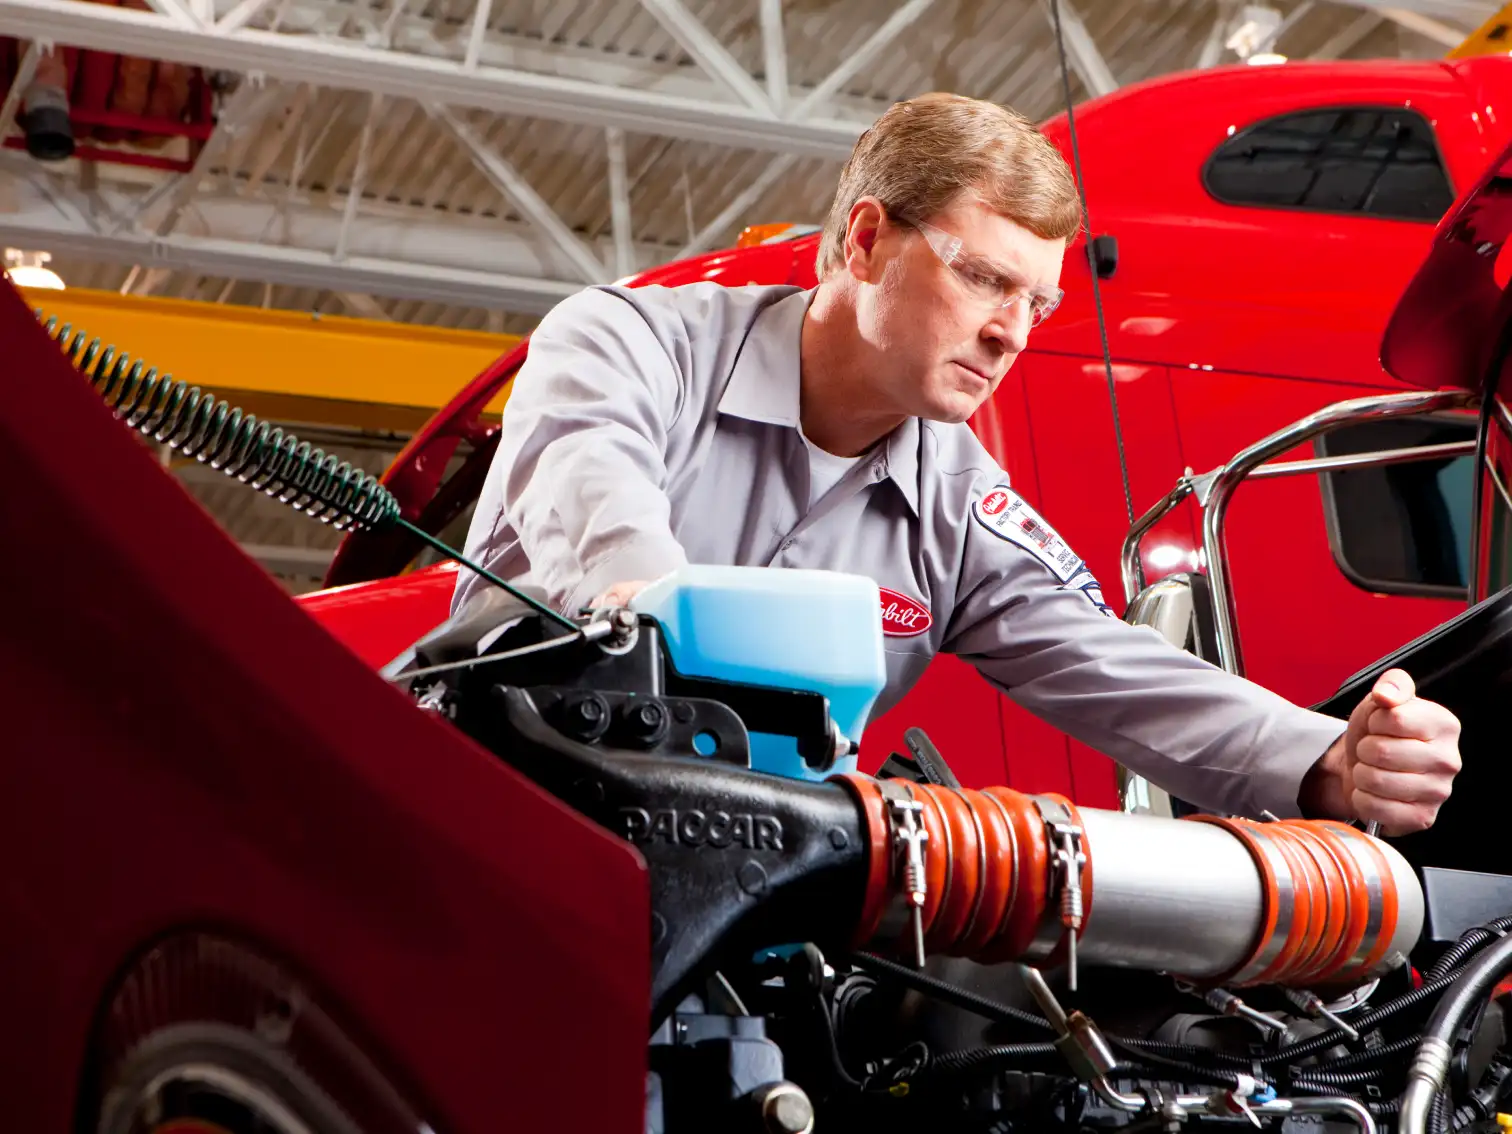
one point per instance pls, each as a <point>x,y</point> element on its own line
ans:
<point>1438,1115</point>
<point>977,1058</point>
<point>1472,985</point>
<point>1314,1076</point>
<point>1159,1063</point>
<point>986,1059</point>
<point>1391,1008</point>
<point>1149,1049</point>
<point>1398,1047</point>
<point>1469,942</point>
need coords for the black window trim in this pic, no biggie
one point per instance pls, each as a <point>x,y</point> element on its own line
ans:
<point>1335,536</point>
<point>1493,410</point>
<point>1330,108</point>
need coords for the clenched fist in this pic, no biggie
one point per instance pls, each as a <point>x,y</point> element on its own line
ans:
<point>1395,763</point>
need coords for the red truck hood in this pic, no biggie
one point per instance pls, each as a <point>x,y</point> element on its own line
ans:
<point>1450,324</point>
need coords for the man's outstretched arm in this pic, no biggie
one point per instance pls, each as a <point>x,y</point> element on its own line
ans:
<point>1031,618</point>
<point>578,485</point>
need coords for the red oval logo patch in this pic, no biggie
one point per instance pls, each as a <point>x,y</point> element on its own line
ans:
<point>902,617</point>
<point>994,502</point>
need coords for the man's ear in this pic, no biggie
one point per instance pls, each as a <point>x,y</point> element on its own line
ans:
<point>862,227</point>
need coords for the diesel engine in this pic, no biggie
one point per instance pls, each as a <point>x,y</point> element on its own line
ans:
<point>836,951</point>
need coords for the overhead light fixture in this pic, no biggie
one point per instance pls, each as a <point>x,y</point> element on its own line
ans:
<point>29,269</point>
<point>1253,33</point>
<point>1265,58</point>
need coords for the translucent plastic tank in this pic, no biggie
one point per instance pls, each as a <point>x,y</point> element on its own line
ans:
<point>795,629</point>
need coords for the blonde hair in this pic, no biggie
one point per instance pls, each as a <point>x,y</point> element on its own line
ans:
<point>924,153</point>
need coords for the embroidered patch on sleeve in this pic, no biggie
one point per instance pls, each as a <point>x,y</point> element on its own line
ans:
<point>1008,516</point>
<point>1084,582</point>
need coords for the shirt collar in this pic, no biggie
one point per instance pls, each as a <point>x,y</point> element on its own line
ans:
<point>901,459</point>
<point>764,386</point>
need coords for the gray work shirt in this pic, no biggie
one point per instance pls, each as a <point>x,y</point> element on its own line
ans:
<point>653,427</point>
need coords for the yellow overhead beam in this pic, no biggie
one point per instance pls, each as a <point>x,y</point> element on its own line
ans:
<point>287,365</point>
<point>1494,37</point>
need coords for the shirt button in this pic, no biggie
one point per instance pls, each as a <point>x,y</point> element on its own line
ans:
<point>785,545</point>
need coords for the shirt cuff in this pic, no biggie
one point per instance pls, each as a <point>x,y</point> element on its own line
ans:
<point>1277,783</point>
<point>648,558</point>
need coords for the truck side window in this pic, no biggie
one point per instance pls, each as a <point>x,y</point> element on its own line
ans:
<point>1371,161</point>
<point>1402,529</point>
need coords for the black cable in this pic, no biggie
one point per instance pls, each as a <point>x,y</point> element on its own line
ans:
<point>1174,1055</point>
<point>1471,988</point>
<point>1149,1060</point>
<point>1102,323</point>
<point>1471,941</point>
<point>1149,1049</point>
<point>1345,1079</point>
<point>1395,1048</point>
<point>1331,1038</point>
<point>974,1059</point>
<point>198,425</point>
<point>1438,1114</point>
<point>837,1064</point>
<point>949,993</point>
<point>487,659</point>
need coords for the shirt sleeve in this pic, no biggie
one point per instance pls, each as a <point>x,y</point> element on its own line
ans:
<point>580,474</point>
<point>1031,618</point>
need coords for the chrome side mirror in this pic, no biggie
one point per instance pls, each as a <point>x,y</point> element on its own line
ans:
<point>1179,609</point>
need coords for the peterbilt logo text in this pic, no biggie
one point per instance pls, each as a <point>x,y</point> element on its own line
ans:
<point>902,617</point>
<point>695,828</point>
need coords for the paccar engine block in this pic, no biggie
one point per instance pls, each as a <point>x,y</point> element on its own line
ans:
<point>895,952</point>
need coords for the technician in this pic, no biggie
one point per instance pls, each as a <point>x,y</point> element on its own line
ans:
<point>653,427</point>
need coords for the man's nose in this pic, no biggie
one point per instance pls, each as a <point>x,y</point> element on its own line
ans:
<point>1009,327</point>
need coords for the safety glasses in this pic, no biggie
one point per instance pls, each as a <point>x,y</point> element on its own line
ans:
<point>981,282</point>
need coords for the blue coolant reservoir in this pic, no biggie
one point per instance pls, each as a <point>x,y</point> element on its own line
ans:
<point>819,631</point>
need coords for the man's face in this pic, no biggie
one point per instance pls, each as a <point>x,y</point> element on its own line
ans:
<point>944,339</point>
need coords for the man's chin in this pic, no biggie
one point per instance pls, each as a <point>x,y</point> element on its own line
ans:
<point>951,409</point>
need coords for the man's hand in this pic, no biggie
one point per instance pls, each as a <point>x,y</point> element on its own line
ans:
<point>1395,763</point>
<point>619,594</point>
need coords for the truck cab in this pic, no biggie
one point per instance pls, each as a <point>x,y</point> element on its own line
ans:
<point>1252,228</point>
<point>1446,343</point>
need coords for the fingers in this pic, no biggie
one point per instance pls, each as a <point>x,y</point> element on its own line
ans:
<point>1394,687</point>
<point>1399,754</point>
<point>1401,787</point>
<point>1397,818</point>
<point>1417,720</point>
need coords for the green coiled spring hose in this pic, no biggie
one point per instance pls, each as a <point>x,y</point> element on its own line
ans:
<point>270,459</point>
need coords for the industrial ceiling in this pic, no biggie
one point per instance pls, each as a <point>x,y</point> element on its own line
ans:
<point>467,163</point>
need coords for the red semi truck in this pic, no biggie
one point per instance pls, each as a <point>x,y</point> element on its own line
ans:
<point>252,885</point>
<point>1254,226</point>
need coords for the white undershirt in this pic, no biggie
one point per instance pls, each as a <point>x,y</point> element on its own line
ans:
<point>825,469</point>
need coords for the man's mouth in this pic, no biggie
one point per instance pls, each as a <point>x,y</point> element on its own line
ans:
<point>984,375</point>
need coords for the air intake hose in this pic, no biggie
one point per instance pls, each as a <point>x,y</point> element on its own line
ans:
<point>1004,876</point>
